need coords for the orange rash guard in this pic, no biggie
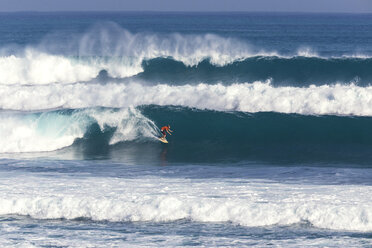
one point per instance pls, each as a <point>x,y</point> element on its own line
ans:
<point>165,128</point>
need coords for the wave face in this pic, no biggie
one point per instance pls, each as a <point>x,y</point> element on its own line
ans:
<point>269,137</point>
<point>295,71</point>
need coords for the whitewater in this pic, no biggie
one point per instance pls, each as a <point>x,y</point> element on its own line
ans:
<point>337,99</point>
<point>149,198</point>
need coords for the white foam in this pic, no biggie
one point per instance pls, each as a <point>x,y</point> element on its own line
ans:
<point>307,52</point>
<point>336,99</point>
<point>49,131</point>
<point>36,67</point>
<point>157,199</point>
<point>41,68</point>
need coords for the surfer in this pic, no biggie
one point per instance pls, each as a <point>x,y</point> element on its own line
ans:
<point>165,130</point>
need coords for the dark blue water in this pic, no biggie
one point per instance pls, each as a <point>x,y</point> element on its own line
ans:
<point>271,115</point>
<point>327,34</point>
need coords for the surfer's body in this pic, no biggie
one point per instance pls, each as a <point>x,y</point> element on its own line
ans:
<point>166,129</point>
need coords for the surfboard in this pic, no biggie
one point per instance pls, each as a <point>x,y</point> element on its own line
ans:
<point>163,140</point>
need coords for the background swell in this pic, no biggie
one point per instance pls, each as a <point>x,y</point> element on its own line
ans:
<point>294,71</point>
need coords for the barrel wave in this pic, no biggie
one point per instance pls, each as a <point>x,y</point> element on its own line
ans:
<point>211,136</point>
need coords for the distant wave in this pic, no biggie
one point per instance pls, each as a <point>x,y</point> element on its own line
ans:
<point>294,71</point>
<point>123,54</point>
<point>41,68</point>
<point>338,99</point>
<point>109,47</point>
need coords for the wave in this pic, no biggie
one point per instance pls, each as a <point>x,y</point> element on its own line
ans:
<point>210,136</point>
<point>52,130</point>
<point>123,54</point>
<point>41,68</point>
<point>294,71</point>
<point>335,99</point>
<point>242,202</point>
<point>109,47</point>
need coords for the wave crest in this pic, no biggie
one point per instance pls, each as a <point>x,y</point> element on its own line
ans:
<point>49,131</point>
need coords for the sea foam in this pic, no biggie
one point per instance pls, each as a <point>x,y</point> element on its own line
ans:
<point>158,199</point>
<point>338,99</point>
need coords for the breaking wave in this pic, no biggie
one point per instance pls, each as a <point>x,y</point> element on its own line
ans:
<point>123,54</point>
<point>52,130</point>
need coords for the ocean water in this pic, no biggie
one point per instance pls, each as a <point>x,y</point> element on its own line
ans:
<point>272,120</point>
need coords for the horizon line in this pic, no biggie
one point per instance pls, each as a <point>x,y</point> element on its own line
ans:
<point>181,11</point>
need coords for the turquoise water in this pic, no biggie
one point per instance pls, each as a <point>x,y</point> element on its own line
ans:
<point>271,116</point>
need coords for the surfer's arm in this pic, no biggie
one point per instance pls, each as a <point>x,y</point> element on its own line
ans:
<point>169,132</point>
